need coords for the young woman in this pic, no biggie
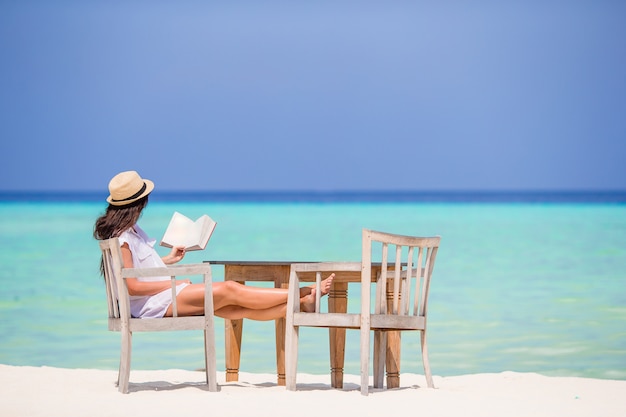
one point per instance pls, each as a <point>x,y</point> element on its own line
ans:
<point>152,297</point>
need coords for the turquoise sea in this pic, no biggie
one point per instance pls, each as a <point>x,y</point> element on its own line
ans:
<point>529,284</point>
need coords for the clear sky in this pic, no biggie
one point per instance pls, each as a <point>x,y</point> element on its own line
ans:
<point>314,95</point>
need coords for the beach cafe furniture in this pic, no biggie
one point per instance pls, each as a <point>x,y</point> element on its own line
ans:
<point>401,301</point>
<point>277,272</point>
<point>119,308</point>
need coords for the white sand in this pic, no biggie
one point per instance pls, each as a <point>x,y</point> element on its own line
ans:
<point>45,391</point>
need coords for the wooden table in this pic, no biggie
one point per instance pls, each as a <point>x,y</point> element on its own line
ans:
<point>278,273</point>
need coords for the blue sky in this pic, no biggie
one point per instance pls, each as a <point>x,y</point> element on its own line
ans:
<point>326,95</point>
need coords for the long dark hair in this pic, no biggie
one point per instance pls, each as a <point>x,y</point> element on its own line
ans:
<point>116,220</point>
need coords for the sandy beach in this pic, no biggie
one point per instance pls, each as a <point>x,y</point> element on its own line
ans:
<point>46,391</point>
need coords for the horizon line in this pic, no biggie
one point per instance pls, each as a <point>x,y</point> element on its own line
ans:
<point>329,196</point>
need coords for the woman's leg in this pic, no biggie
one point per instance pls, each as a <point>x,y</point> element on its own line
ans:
<point>233,312</point>
<point>257,298</point>
<point>230,293</point>
<point>190,301</point>
<point>307,304</point>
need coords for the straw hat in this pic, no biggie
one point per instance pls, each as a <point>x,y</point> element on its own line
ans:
<point>128,187</point>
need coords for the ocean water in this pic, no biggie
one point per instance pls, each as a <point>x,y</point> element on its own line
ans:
<point>520,285</point>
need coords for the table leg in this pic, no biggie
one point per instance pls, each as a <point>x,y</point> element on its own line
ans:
<point>232,338</point>
<point>337,303</point>
<point>280,350</point>
<point>392,362</point>
<point>281,281</point>
<point>393,359</point>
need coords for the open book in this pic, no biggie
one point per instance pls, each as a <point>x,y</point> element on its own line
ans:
<point>193,235</point>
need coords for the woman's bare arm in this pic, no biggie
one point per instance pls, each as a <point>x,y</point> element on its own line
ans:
<point>136,287</point>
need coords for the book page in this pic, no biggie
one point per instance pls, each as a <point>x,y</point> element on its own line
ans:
<point>208,225</point>
<point>182,231</point>
<point>178,231</point>
<point>194,239</point>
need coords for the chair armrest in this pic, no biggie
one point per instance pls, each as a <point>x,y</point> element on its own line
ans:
<point>172,270</point>
<point>327,267</point>
<point>317,268</point>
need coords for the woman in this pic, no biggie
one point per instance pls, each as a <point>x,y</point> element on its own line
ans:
<point>152,297</point>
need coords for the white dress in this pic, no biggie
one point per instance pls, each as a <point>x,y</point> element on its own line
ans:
<point>145,256</point>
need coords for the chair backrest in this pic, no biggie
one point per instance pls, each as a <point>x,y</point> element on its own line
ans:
<point>119,307</point>
<point>406,266</point>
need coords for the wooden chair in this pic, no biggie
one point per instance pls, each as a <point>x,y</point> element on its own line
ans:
<point>119,309</point>
<point>402,281</point>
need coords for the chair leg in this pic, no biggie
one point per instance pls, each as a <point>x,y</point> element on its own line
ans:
<point>365,353</point>
<point>427,373</point>
<point>124,372</point>
<point>291,355</point>
<point>292,333</point>
<point>380,347</point>
<point>209,357</point>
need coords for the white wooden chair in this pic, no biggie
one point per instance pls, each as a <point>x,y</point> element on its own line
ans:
<point>119,309</point>
<point>401,300</point>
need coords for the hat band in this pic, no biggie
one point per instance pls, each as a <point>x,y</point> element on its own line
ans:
<point>137,194</point>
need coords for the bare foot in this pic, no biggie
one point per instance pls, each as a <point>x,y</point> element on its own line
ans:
<point>327,283</point>
<point>307,302</point>
<point>324,286</point>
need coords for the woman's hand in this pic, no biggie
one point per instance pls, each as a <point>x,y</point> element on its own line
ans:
<point>176,254</point>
